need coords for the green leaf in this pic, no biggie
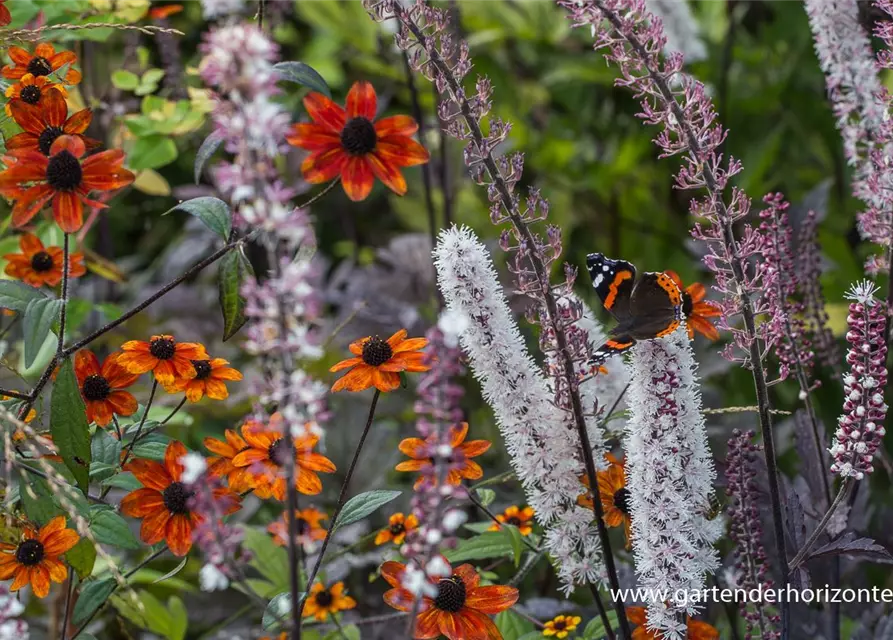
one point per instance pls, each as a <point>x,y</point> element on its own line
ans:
<point>99,471</point>
<point>125,481</point>
<point>170,574</point>
<point>234,270</point>
<point>511,625</point>
<point>149,81</point>
<point>205,151</point>
<point>153,450</point>
<point>82,557</point>
<point>125,80</point>
<point>513,535</point>
<point>302,74</point>
<point>40,314</point>
<point>110,528</point>
<point>37,499</point>
<point>350,632</point>
<point>595,629</point>
<point>363,504</point>
<point>486,496</point>
<point>491,544</point>
<point>16,295</point>
<point>93,595</point>
<point>152,152</point>
<point>178,620</point>
<point>104,448</point>
<point>68,424</point>
<point>269,560</point>
<point>213,212</point>
<point>278,610</point>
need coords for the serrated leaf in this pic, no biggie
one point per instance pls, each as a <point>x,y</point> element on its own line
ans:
<point>40,314</point>
<point>302,74</point>
<point>205,151</point>
<point>16,295</point>
<point>511,625</point>
<point>110,528</point>
<point>364,504</point>
<point>513,535</point>
<point>213,212</point>
<point>492,544</point>
<point>235,269</point>
<point>82,557</point>
<point>92,596</point>
<point>68,424</point>
<point>486,496</point>
<point>851,546</point>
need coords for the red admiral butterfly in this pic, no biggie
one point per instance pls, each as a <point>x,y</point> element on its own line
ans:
<point>647,308</point>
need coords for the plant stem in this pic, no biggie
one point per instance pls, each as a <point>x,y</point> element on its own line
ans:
<point>342,496</point>
<point>493,517</point>
<point>294,553</point>
<point>174,412</point>
<point>845,488</point>
<point>66,259</point>
<point>128,449</point>
<point>602,612</point>
<point>68,593</point>
<point>17,395</point>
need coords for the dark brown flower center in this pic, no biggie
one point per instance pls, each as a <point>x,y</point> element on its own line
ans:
<point>324,598</point>
<point>30,552</point>
<point>621,500</point>
<point>162,348</point>
<point>176,498</point>
<point>376,352</point>
<point>397,529</point>
<point>277,452</point>
<point>202,369</point>
<point>41,261</point>
<point>450,594</point>
<point>358,137</point>
<point>64,171</point>
<point>513,520</point>
<point>96,388</point>
<point>39,66</point>
<point>301,526</point>
<point>687,304</point>
<point>30,94</point>
<point>559,625</point>
<point>46,139</point>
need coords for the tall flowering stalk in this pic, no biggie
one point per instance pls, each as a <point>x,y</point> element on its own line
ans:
<point>670,474</point>
<point>432,50</point>
<point>544,450</point>
<point>861,427</point>
<point>681,28</point>
<point>632,38</point>
<point>746,531</point>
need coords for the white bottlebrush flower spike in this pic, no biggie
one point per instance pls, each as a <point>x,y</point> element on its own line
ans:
<point>542,444</point>
<point>669,474</point>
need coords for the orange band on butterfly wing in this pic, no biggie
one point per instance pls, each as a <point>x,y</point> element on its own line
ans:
<point>619,345</point>
<point>673,326</point>
<point>612,289</point>
<point>667,284</point>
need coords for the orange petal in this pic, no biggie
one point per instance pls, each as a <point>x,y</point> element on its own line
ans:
<point>357,178</point>
<point>361,101</point>
<point>412,344</point>
<point>325,112</point>
<point>412,465</point>
<point>322,166</point>
<point>491,599</point>
<point>55,110</point>
<point>474,448</point>
<point>401,151</point>
<point>154,526</point>
<point>78,122</point>
<point>150,473</point>
<point>392,572</point>
<point>458,433</point>
<point>413,447</point>
<point>40,581</point>
<point>60,542</point>
<point>85,364</point>
<point>68,211</point>
<point>388,173</point>
<point>346,364</point>
<point>313,137</point>
<point>172,454</point>
<point>469,576</point>
<point>396,125</point>
<point>142,503</point>
<point>179,534</point>
<point>427,624</point>
<point>385,381</point>
<point>358,379</point>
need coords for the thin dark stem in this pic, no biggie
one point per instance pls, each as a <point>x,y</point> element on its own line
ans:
<point>446,184</point>
<point>117,428</point>
<point>174,412</point>
<point>66,259</point>
<point>541,276</point>
<point>294,557</point>
<point>18,395</point>
<point>845,488</point>
<point>127,575</point>
<point>746,309</point>
<point>129,448</point>
<point>68,593</point>
<point>261,10</point>
<point>602,612</point>
<point>492,516</point>
<point>426,168</point>
<point>342,495</point>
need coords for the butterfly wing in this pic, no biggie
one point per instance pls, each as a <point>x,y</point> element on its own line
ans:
<point>613,282</point>
<point>655,307</point>
<point>615,345</point>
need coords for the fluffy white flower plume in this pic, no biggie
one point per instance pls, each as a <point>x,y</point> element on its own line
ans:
<point>680,27</point>
<point>543,445</point>
<point>669,472</point>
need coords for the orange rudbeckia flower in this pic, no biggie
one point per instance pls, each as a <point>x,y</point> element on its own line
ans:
<point>349,143</point>
<point>43,62</point>
<point>238,478</point>
<point>208,380</point>
<point>697,310</point>
<point>31,89</point>
<point>461,463</point>
<point>696,630</point>
<point>102,387</point>
<point>168,359</point>
<point>322,602</point>
<point>43,124</point>
<point>521,518</point>
<point>38,265</point>
<point>307,524</point>
<point>461,608</point>
<point>613,494</point>
<point>33,180</point>
<point>379,362</point>
<point>5,15</point>
<point>163,502</point>
<point>35,559</point>
<point>398,526</point>
<point>160,13</point>
<point>265,460</point>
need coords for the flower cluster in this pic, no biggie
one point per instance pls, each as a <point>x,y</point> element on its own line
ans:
<point>746,531</point>
<point>11,626</point>
<point>861,427</point>
<point>670,477</point>
<point>681,29</point>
